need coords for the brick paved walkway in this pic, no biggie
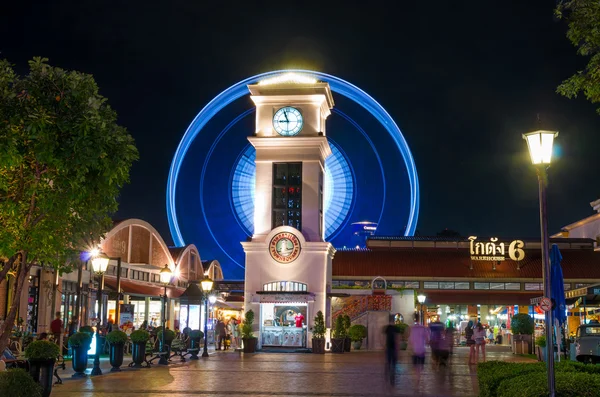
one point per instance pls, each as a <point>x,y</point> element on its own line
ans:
<point>276,374</point>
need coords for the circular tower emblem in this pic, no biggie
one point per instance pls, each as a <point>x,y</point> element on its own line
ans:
<point>284,247</point>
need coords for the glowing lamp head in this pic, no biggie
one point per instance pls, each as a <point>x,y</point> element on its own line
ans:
<point>540,146</point>
<point>165,275</point>
<point>212,299</point>
<point>94,252</point>
<point>100,264</point>
<point>421,298</point>
<point>207,284</point>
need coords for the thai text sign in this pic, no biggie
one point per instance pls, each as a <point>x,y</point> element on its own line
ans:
<point>494,251</point>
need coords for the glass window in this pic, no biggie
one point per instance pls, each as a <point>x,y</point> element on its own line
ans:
<point>513,286</point>
<point>592,330</point>
<point>412,284</point>
<point>396,284</point>
<point>533,286</point>
<point>567,286</point>
<point>287,195</point>
<point>446,285</point>
<point>581,285</point>
<point>430,285</point>
<point>482,285</point>
<point>496,285</point>
<point>461,285</point>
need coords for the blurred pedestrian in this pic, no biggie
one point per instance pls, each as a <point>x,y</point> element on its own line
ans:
<point>43,336</point>
<point>479,335</point>
<point>436,331</point>
<point>73,326</point>
<point>418,339</point>
<point>470,342</point>
<point>56,327</point>
<point>391,350</point>
<point>221,333</point>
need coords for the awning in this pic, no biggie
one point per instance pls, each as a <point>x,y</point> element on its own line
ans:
<point>145,289</point>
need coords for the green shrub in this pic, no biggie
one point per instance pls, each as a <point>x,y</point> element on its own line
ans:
<point>357,332</point>
<point>339,331</point>
<point>140,336</point>
<point>247,325</point>
<point>522,324</point>
<point>490,374</point>
<point>347,323</point>
<point>18,383</point>
<point>568,384</point>
<point>87,329</point>
<point>402,327</point>
<point>319,326</point>
<point>196,334</point>
<point>169,335</point>
<point>116,337</point>
<point>80,339</point>
<point>541,341</point>
<point>42,350</point>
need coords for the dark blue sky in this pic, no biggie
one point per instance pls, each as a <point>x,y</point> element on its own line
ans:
<point>463,80</point>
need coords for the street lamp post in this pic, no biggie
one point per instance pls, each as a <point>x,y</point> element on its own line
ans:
<point>165,278</point>
<point>540,149</point>
<point>421,298</point>
<point>207,285</point>
<point>99,265</point>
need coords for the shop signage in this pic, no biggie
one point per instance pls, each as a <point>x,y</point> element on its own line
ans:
<point>284,247</point>
<point>494,251</point>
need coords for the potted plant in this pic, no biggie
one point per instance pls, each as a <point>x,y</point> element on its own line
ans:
<point>338,335</point>
<point>248,337</point>
<point>402,327</point>
<point>318,333</point>
<point>138,353</point>
<point>18,383</point>
<point>79,343</point>
<point>347,325</point>
<point>522,327</point>
<point>117,340</point>
<point>169,336</point>
<point>42,355</point>
<point>540,341</point>
<point>195,337</point>
<point>357,333</point>
<point>87,329</point>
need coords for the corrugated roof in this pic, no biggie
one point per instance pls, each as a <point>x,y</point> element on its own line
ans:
<point>456,263</point>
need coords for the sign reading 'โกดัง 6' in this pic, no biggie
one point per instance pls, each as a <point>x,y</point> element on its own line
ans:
<point>494,251</point>
<point>284,247</point>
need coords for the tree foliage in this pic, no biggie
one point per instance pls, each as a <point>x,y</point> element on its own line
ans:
<point>63,160</point>
<point>583,19</point>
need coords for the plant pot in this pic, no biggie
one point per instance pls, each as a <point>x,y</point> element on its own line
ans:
<point>318,345</point>
<point>357,344</point>
<point>347,344</point>
<point>403,345</point>
<point>42,371</point>
<point>195,348</point>
<point>116,356</point>
<point>80,360</point>
<point>337,345</point>
<point>138,354</point>
<point>250,344</point>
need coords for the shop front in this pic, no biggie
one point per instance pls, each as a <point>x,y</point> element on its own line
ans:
<point>283,319</point>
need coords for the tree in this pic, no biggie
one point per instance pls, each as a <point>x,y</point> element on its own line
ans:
<point>63,160</point>
<point>583,18</point>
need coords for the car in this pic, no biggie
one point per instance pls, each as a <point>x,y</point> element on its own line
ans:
<point>587,343</point>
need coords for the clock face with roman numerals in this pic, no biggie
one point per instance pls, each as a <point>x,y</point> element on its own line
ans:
<point>287,121</point>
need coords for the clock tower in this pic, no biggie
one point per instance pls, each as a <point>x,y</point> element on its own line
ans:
<point>288,262</point>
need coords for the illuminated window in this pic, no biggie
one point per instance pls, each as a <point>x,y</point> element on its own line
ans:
<point>533,286</point>
<point>287,195</point>
<point>461,285</point>
<point>412,284</point>
<point>430,285</point>
<point>513,286</point>
<point>481,285</point>
<point>285,286</point>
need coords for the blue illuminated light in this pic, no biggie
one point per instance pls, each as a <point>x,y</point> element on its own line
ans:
<point>240,89</point>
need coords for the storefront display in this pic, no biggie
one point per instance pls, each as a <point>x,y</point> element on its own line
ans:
<point>283,325</point>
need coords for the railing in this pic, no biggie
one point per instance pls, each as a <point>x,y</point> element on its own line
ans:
<point>354,306</point>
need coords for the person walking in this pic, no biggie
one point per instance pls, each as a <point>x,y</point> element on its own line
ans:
<point>418,339</point>
<point>73,326</point>
<point>391,350</point>
<point>479,335</point>
<point>470,342</point>
<point>221,333</point>
<point>235,333</point>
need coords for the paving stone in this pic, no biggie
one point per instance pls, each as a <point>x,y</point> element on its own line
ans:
<point>359,373</point>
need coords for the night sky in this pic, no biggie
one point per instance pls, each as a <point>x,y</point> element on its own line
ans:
<point>463,81</point>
